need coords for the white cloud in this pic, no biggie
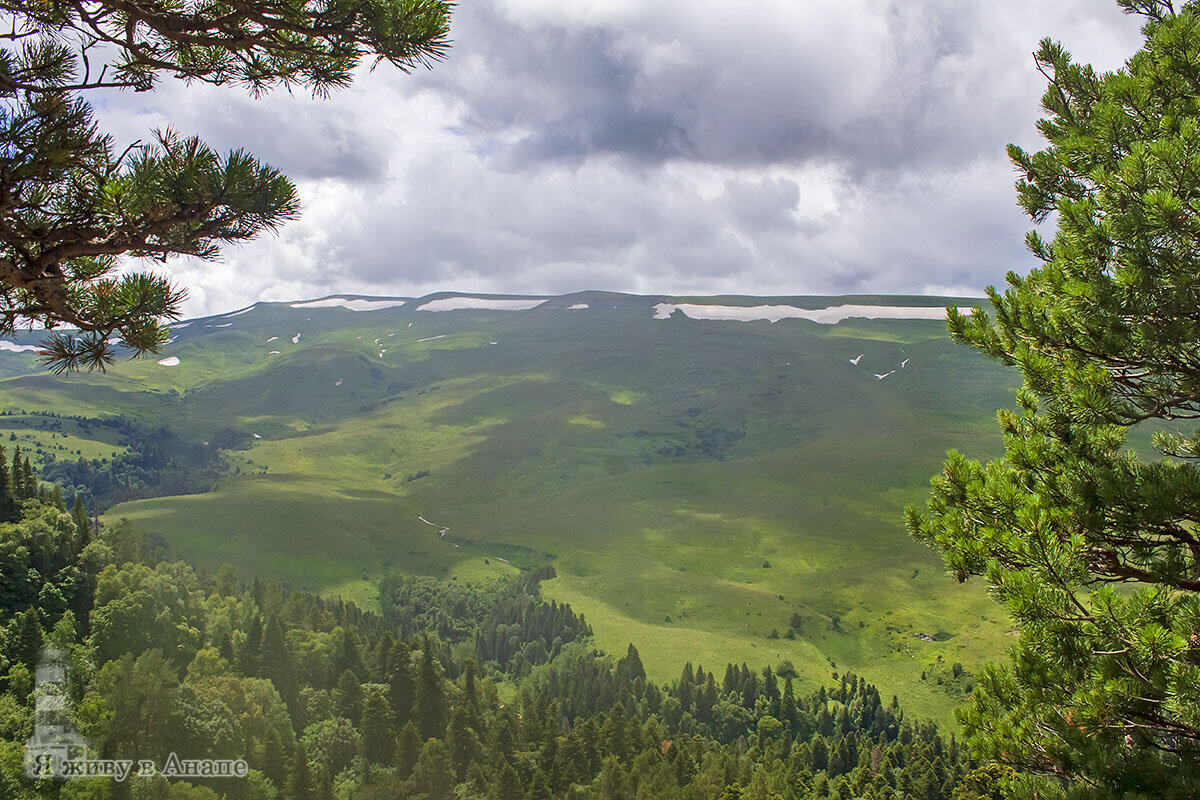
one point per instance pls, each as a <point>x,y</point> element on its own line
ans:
<point>652,147</point>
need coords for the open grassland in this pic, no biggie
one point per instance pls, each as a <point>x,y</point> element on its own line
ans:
<point>711,491</point>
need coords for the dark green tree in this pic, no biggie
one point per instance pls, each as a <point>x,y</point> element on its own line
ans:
<point>17,475</point>
<point>820,753</point>
<point>985,783</point>
<point>298,785</point>
<point>23,638</point>
<point>276,658</point>
<point>539,787</point>
<point>250,653</point>
<point>508,785</point>
<point>463,741</point>
<point>613,782</point>
<point>378,726</point>
<point>348,697</point>
<point>408,749</point>
<point>274,762</point>
<point>72,203</point>
<point>432,778</point>
<point>1090,542</point>
<point>9,512</point>
<point>79,515</point>
<point>430,706</point>
<point>29,479</point>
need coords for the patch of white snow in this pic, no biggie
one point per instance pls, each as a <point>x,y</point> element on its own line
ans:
<point>350,304</point>
<point>479,304</point>
<point>826,316</point>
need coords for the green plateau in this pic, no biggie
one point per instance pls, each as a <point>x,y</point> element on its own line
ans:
<point>709,490</point>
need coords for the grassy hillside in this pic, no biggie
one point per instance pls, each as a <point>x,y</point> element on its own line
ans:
<point>711,490</point>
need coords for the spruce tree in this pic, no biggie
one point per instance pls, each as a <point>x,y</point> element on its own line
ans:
<point>470,684</point>
<point>299,780</point>
<point>731,683</point>
<point>258,592</point>
<point>683,688</point>
<point>462,740</point>
<point>430,706</point>
<point>274,764</point>
<point>79,515</point>
<point>432,777</point>
<point>539,785</point>
<point>508,785</point>
<point>29,479</point>
<point>1091,543</point>
<point>251,651</point>
<point>348,697</point>
<point>17,474</point>
<point>401,686</point>
<point>377,726</point>
<point>408,749</point>
<point>9,510</point>
<point>23,638</point>
<point>820,753</point>
<point>788,702</point>
<point>275,662</point>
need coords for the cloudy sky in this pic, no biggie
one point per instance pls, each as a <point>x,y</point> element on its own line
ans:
<point>781,147</point>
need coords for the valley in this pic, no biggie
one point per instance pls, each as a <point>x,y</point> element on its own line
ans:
<point>712,489</point>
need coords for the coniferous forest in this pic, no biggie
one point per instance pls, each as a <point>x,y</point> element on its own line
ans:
<point>442,692</point>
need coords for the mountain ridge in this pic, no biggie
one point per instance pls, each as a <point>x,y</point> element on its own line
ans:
<point>710,491</point>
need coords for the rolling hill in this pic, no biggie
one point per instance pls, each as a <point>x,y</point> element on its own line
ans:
<point>708,484</point>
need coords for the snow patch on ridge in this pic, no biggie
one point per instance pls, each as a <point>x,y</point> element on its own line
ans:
<point>351,304</point>
<point>479,304</point>
<point>825,316</point>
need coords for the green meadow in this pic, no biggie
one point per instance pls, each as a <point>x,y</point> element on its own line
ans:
<point>712,491</point>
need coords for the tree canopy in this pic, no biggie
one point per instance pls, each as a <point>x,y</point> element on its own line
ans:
<point>72,204</point>
<point>324,699</point>
<point>1086,529</point>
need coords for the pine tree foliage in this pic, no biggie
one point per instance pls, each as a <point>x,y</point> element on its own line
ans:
<point>1090,541</point>
<point>72,203</point>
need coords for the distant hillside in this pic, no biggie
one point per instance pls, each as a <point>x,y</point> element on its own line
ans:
<point>713,490</point>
